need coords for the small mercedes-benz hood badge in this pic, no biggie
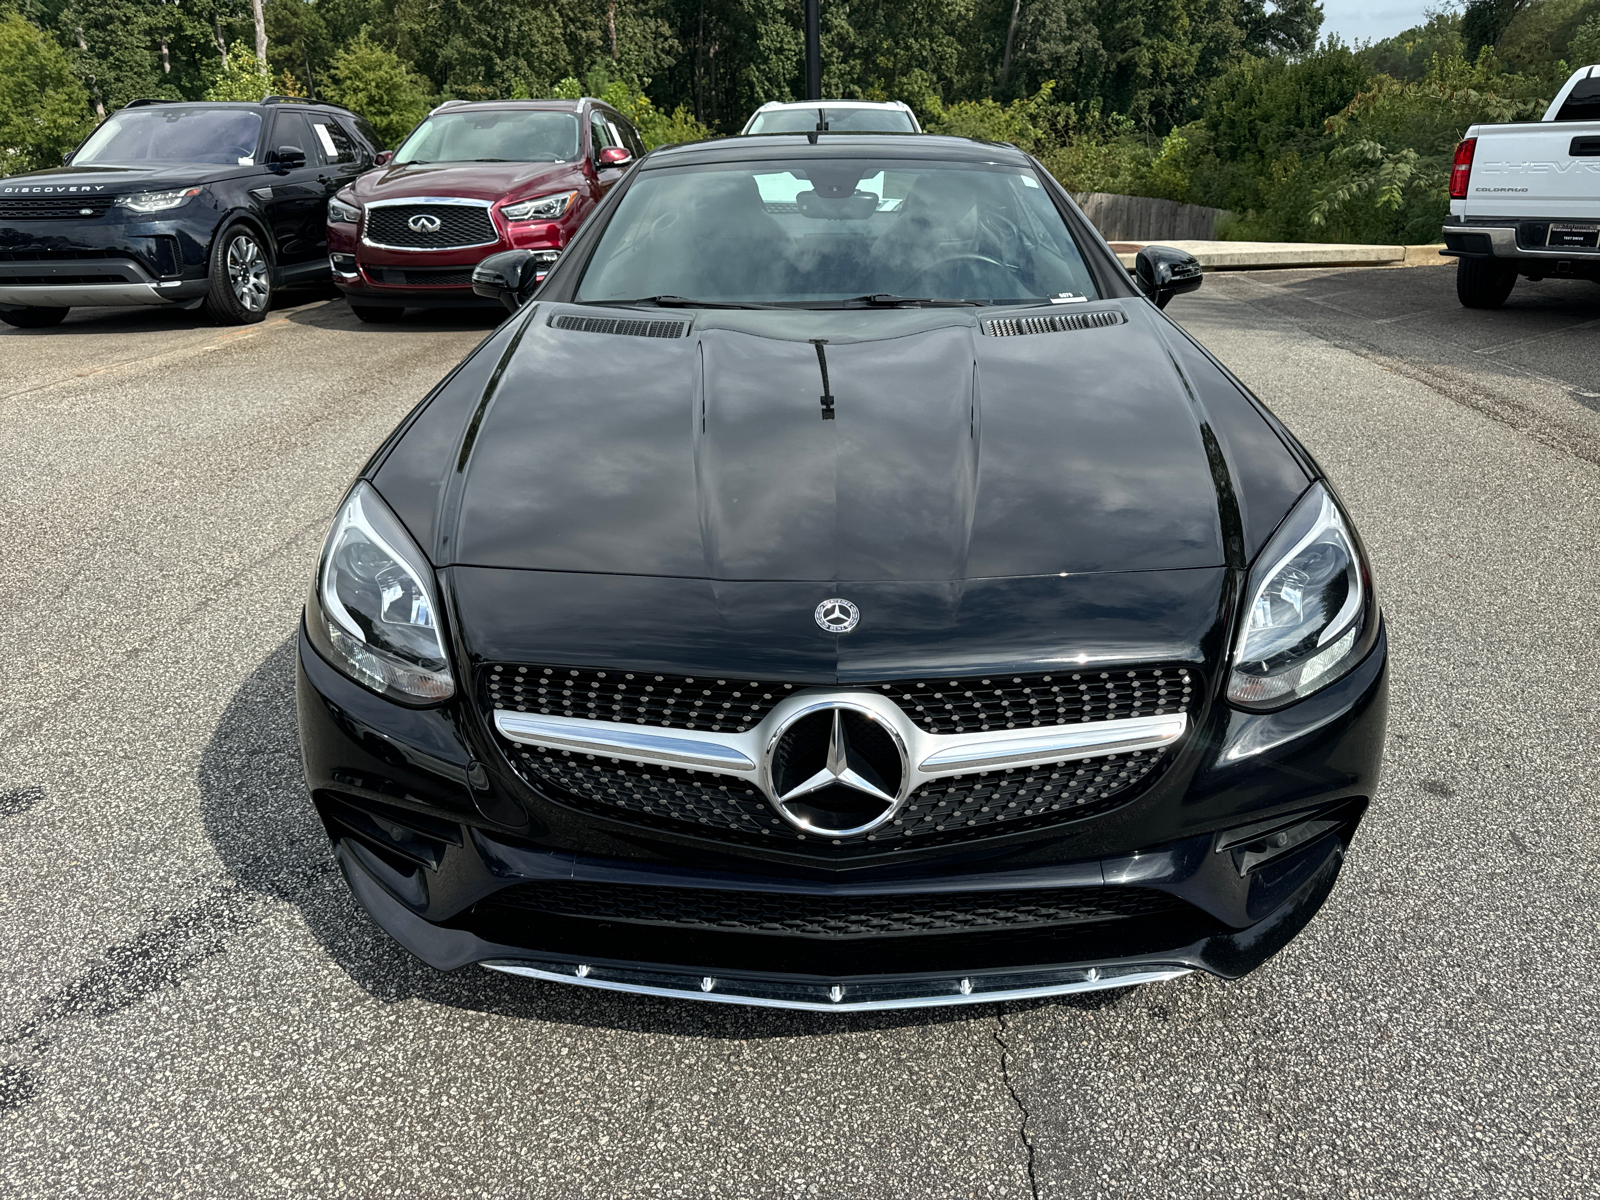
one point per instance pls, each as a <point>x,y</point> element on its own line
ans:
<point>838,616</point>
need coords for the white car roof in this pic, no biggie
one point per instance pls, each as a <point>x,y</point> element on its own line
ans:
<point>780,105</point>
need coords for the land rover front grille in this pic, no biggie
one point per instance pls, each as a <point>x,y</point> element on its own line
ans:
<point>53,208</point>
<point>459,225</point>
<point>800,914</point>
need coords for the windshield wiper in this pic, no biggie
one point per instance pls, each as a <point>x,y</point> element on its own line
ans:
<point>886,300</point>
<point>674,302</point>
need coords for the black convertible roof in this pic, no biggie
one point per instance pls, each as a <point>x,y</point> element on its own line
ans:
<point>799,145</point>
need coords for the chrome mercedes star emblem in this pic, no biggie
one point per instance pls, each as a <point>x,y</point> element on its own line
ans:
<point>837,616</point>
<point>836,770</point>
<point>423,223</point>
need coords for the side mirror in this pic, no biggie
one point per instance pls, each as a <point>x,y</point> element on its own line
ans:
<point>382,158</point>
<point>287,158</point>
<point>503,277</point>
<point>1163,272</point>
<point>615,156</point>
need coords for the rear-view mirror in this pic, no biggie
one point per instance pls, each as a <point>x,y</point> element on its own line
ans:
<point>504,277</point>
<point>1163,272</point>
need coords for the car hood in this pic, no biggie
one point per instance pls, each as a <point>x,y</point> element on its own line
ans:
<point>473,181</point>
<point>953,455</point>
<point>117,180</point>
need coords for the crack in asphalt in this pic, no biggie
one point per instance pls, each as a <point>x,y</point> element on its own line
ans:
<point>1005,1076</point>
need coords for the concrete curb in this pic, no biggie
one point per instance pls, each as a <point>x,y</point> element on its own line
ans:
<point>1268,256</point>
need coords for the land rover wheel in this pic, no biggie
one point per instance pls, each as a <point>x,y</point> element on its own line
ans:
<point>241,278</point>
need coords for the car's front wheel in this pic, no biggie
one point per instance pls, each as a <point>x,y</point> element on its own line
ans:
<point>377,314</point>
<point>241,278</point>
<point>1483,283</point>
<point>33,317</point>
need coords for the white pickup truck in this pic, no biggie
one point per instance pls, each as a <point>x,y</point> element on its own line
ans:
<point>1525,197</point>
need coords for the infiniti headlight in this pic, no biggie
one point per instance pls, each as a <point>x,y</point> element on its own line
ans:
<point>542,208</point>
<point>340,213</point>
<point>1309,615</point>
<point>149,202</point>
<point>378,620</point>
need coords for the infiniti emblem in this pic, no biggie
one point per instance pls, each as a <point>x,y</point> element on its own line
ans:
<point>423,223</point>
<point>837,616</point>
<point>836,769</point>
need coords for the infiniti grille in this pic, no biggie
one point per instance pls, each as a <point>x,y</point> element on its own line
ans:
<point>460,225</point>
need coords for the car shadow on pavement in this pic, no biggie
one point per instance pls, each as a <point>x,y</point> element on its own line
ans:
<point>466,318</point>
<point>259,818</point>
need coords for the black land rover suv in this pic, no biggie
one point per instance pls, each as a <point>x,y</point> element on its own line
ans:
<point>202,205</point>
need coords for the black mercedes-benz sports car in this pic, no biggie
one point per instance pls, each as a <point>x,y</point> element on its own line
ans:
<point>839,586</point>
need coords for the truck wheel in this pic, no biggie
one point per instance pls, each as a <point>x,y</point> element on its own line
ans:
<point>241,278</point>
<point>33,317</point>
<point>377,314</point>
<point>1483,283</point>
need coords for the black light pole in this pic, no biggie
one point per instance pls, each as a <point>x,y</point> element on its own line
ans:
<point>813,50</point>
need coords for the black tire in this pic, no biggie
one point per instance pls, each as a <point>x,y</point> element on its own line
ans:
<point>33,317</point>
<point>241,278</point>
<point>1483,283</point>
<point>377,314</point>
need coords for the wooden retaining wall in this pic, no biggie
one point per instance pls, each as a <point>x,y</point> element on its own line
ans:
<point>1145,219</point>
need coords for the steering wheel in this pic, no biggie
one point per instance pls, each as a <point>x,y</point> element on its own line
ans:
<point>1000,229</point>
<point>985,274</point>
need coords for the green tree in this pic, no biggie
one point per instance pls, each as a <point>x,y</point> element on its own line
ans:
<point>243,78</point>
<point>372,81</point>
<point>44,110</point>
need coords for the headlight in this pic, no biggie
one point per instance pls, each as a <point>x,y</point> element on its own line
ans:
<point>379,617</point>
<point>1308,620</point>
<point>543,208</point>
<point>340,213</point>
<point>149,202</point>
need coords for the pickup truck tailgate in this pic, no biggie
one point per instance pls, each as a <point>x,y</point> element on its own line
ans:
<point>1536,169</point>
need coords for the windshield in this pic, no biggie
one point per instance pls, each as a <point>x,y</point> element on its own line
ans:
<point>830,230</point>
<point>490,135</point>
<point>173,133</point>
<point>840,120</point>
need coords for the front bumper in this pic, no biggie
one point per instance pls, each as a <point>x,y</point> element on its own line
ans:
<point>381,276</point>
<point>105,261</point>
<point>461,866</point>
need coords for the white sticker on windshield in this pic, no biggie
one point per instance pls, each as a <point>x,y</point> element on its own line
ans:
<point>326,139</point>
<point>249,160</point>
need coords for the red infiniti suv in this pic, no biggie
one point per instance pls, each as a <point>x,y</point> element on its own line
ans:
<point>473,179</point>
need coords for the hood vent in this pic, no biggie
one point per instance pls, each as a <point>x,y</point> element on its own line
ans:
<point>1062,323</point>
<point>622,326</point>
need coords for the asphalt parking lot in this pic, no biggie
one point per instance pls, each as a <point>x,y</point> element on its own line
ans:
<point>193,1005</point>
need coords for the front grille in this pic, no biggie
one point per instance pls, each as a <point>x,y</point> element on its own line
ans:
<point>971,705</point>
<point>622,326</point>
<point>459,225</point>
<point>643,697</point>
<point>946,810</point>
<point>1060,323</point>
<point>424,277</point>
<point>829,916</point>
<point>53,208</point>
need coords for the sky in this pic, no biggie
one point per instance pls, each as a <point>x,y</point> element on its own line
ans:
<point>1371,20</point>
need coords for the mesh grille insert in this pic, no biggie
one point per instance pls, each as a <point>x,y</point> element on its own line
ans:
<point>830,916</point>
<point>1059,323</point>
<point>622,326</point>
<point>458,225</point>
<point>53,208</point>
